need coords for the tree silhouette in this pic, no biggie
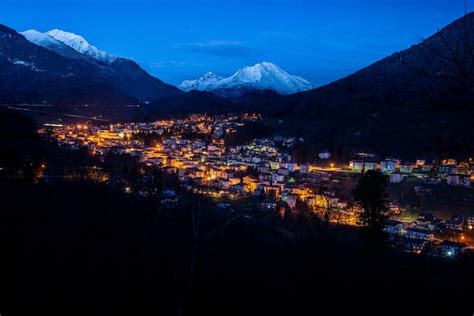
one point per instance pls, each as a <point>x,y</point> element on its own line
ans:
<point>370,194</point>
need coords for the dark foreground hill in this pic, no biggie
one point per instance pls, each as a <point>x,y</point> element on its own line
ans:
<point>85,246</point>
<point>80,247</point>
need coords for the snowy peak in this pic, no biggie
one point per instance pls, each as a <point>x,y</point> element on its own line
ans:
<point>81,45</point>
<point>267,75</point>
<point>39,38</point>
<point>48,42</point>
<point>260,76</point>
<point>201,84</point>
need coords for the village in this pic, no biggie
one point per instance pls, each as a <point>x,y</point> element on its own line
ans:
<point>262,171</point>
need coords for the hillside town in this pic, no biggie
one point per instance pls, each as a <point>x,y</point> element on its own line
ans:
<point>263,171</point>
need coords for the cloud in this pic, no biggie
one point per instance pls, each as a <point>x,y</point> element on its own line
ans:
<point>165,64</point>
<point>219,48</point>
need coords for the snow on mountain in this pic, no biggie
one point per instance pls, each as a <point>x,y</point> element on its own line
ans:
<point>201,84</point>
<point>25,64</point>
<point>261,76</point>
<point>39,38</point>
<point>81,45</point>
<point>265,76</point>
<point>48,42</point>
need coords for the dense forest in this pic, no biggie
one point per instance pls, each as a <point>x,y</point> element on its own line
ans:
<point>95,249</point>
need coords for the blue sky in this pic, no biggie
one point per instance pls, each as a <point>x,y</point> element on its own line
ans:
<point>181,39</point>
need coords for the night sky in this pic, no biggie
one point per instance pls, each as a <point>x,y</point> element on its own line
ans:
<point>181,39</point>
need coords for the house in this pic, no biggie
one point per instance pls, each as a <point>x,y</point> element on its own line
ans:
<point>169,169</point>
<point>324,155</point>
<point>394,208</point>
<point>91,146</point>
<point>456,223</point>
<point>414,245</point>
<point>363,154</point>
<point>406,168</point>
<point>393,227</point>
<point>305,168</point>
<point>250,184</point>
<point>470,222</point>
<point>452,249</point>
<point>291,200</point>
<point>389,165</point>
<point>263,169</point>
<point>426,217</point>
<point>169,198</point>
<point>419,233</point>
<point>450,161</point>
<point>274,165</point>
<point>341,205</point>
<point>234,180</point>
<point>370,165</point>
<point>396,177</point>
<point>426,168</point>
<point>292,166</point>
<point>237,189</point>
<point>463,168</point>
<point>447,169</point>
<point>428,220</point>
<point>362,165</point>
<point>100,150</point>
<point>273,191</point>
<point>182,173</point>
<point>459,180</point>
<point>277,178</point>
<point>420,162</point>
<point>356,165</point>
<point>268,205</point>
<point>284,172</point>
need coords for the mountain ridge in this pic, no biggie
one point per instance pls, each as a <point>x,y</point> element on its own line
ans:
<point>81,45</point>
<point>261,76</point>
<point>59,74</point>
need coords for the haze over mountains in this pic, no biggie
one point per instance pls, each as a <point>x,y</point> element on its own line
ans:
<point>262,76</point>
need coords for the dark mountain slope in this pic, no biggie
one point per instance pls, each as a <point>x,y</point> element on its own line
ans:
<point>131,78</point>
<point>416,102</point>
<point>30,73</point>
<point>33,74</point>
<point>438,71</point>
<point>191,102</point>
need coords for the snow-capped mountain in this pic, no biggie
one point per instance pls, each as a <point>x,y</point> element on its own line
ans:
<point>49,42</point>
<point>201,84</point>
<point>41,39</point>
<point>262,76</point>
<point>63,68</point>
<point>81,45</point>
